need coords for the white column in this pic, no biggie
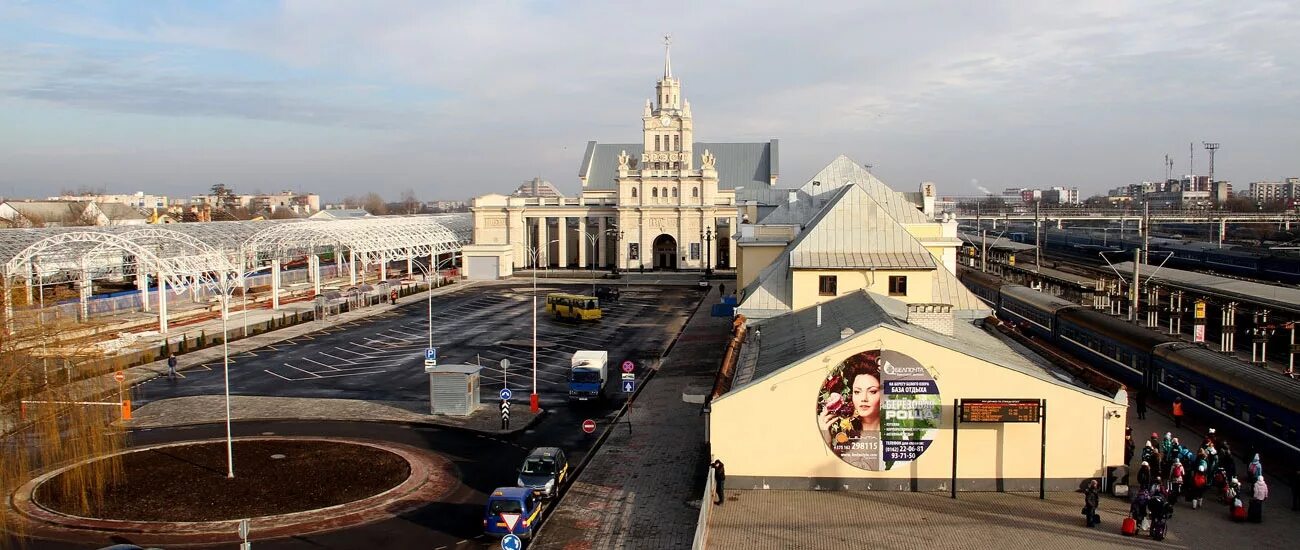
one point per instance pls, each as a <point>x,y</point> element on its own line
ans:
<point>538,232</point>
<point>562,233</point>
<point>275,284</point>
<point>313,268</point>
<point>338,261</point>
<point>544,240</point>
<point>142,284</point>
<point>583,243</point>
<point>601,252</point>
<point>409,266</point>
<point>383,268</point>
<point>352,267</point>
<point>162,303</point>
<point>732,260</point>
<point>711,247</point>
<point>85,287</point>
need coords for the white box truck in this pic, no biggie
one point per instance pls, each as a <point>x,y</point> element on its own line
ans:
<point>587,374</point>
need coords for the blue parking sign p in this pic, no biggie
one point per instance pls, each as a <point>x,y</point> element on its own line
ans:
<point>431,354</point>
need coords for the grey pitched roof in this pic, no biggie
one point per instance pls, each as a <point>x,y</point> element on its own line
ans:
<point>854,232</point>
<point>341,214</point>
<point>843,171</point>
<point>739,164</point>
<point>50,211</point>
<point>774,344</point>
<point>118,211</point>
<point>851,231</point>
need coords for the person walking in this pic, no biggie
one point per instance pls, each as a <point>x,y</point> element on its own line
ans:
<point>1144,476</point>
<point>1142,404</point>
<point>1178,412</point>
<point>719,478</point>
<point>1129,446</point>
<point>1254,471</point>
<point>1091,500</point>
<point>722,289</point>
<point>1256,512</point>
<point>171,365</point>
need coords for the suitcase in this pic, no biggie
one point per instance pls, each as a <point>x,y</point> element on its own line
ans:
<point>1121,490</point>
<point>1238,512</point>
<point>1129,527</point>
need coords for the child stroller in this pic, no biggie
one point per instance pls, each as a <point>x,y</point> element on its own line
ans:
<point>1160,511</point>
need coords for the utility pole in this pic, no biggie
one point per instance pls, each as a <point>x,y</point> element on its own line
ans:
<point>1191,158</point>
<point>1211,147</point>
<point>1133,289</point>
<point>1146,232</point>
<point>1038,244</point>
<point>984,250</point>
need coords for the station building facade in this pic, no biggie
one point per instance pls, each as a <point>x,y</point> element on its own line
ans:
<point>668,202</point>
<point>858,393</point>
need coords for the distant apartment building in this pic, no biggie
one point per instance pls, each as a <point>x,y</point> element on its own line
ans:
<point>1272,191</point>
<point>1190,191</point>
<point>299,203</point>
<point>139,199</point>
<point>1054,196</point>
<point>69,214</point>
<point>537,187</point>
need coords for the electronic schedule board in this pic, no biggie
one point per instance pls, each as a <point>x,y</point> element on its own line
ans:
<point>1000,410</point>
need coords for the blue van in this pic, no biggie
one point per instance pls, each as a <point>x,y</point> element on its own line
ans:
<point>506,503</point>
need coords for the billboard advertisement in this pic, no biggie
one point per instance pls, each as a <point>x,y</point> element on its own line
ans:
<point>878,408</point>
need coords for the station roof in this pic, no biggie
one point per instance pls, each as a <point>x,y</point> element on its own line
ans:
<point>995,243</point>
<point>1275,297</point>
<point>773,344</point>
<point>213,252</point>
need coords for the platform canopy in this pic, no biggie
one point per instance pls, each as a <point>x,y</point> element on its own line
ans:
<point>210,254</point>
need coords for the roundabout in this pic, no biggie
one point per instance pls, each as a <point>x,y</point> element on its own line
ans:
<point>179,493</point>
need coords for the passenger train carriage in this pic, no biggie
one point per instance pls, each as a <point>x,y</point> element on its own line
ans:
<point>1256,408</point>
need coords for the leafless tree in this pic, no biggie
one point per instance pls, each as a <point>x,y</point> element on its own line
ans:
<point>410,204</point>
<point>374,204</point>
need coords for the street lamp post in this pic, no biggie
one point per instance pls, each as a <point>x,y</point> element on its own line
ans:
<point>430,275</point>
<point>534,404</point>
<point>591,262</point>
<point>707,237</point>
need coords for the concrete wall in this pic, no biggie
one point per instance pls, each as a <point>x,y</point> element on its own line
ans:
<point>767,433</point>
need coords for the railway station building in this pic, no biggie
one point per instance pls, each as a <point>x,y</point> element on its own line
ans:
<point>859,393</point>
<point>668,202</point>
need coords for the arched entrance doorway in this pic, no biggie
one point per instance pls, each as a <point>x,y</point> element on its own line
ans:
<point>665,252</point>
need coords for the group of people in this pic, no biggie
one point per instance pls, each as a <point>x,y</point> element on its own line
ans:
<point>1170,471</point>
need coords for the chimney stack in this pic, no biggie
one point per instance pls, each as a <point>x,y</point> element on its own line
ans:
<point>819,315</point>
<point>794,196</point>
<point>935,317</point>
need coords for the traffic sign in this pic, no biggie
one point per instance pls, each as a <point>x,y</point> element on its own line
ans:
<point>511,542</point>
<point>430,362</point>
<point>119,376</point>
<point>629,366</point>
<point>511,520</point>
<point>505,364</point>
<point>505,394</point>
<point>431,354</point>
<point>629,376</point>
<point>243,529</point>
<point>629,386</point>
<point>589,425</point>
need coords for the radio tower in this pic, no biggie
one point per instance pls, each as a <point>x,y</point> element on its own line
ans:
<point>1211,147</point>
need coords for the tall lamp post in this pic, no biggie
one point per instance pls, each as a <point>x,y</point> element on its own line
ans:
<point>618,240</point>
<point>707,237</point>
<point>430,273</point>
<point>534,404</point>
<point>591,261</point>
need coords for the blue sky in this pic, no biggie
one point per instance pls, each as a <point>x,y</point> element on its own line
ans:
<point>455,99</point>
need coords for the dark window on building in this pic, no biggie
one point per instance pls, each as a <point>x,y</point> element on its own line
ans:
<point>634,192</point>
<point>897,285</point>
<point>654,192</point>
<point>826,285</point>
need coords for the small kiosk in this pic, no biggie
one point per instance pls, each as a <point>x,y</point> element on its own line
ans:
<point>453,389</point>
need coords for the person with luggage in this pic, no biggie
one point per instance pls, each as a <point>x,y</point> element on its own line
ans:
<point>1137,510</point>
<point>1091,500</point>
<point>1160,511</point>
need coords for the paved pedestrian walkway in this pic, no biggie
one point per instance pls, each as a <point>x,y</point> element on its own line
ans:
<point>642,486</point>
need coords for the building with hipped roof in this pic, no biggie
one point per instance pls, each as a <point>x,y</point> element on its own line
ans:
<point>859,393</point>
<point>843,231</point>
<point>69,214</point>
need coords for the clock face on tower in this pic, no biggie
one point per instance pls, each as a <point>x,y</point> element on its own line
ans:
<point>665,121</point>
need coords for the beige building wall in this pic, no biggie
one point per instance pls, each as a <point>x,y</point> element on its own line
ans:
<point>753,258</point>
<point>806,290</point>
<point>767,435</point>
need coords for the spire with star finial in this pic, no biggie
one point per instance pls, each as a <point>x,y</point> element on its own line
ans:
<point>668,60</point>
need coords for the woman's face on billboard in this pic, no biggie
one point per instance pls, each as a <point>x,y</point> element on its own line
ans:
<point>866,396</point>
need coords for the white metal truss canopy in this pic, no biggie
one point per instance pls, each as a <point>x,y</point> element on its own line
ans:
<point>216,255</point>
<point>373,239</point>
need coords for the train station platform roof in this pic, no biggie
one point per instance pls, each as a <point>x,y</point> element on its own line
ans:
<point>997,243</point>
<point>1277,298</point>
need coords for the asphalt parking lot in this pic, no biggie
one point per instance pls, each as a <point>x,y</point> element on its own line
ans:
<point>380,358</point>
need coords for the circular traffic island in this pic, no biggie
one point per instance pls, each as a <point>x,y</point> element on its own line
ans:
<point>272,477</point>
<point>180,493</point>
